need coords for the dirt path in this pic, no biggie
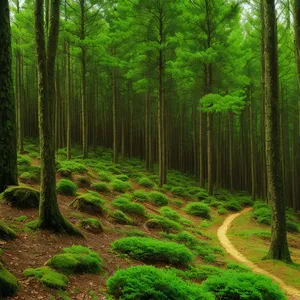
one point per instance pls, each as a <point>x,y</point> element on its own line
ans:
<point>292,292</point>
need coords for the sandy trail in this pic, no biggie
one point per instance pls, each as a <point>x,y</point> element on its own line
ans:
<point>292,292</point>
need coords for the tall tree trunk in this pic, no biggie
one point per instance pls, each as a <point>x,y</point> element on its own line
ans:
<point>252,136</point>
<point>8,141</point>
<point>49,214</point>
<point>279,246</point>
<point>114,109</point>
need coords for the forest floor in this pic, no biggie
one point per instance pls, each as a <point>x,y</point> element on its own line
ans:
<point>32,249</point>
<point>251,246</point>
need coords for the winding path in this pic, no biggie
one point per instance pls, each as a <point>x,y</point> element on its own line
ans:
<point>292,292</point>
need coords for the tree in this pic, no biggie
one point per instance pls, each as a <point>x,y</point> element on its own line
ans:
<point>279,246</point>
<point>8,142</point>
<point>49,214</point>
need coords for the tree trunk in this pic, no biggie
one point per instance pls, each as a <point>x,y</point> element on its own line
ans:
<point>8,141</point>
<point>279,246</point>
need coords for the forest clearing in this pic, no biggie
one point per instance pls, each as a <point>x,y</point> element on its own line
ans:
<point>149,149</point>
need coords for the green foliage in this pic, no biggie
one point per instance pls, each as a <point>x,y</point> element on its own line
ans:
<point>141,196</point>
<point>244,200</point>
<point>121,186</point>
<point>100,187</point>
<point>24,160</point>
<point>238,267</point>
<point>148,282</point>
<point>122,177</point>
<point>177,202</point>
<point>21,197</point>
<point>66,187</point>
<point>84,181</point>
<point>64,172</point>
<point>8,283</point>
<point>236,285</point>
<point>28,177</point>
<point>179,191</point>
<point>201,195</point>
<point>105,176</point>
<point>121,218</point>
<point>151,250</point>
<point>128,206</point>
<point>158,199</point>
<point>21,219</point>
<point>146,182</point>
<point>198,209</point>
<point>163,223</point>
<point>92,225</point>
<point>90,203</point>
<point>232,205</point>
<point>48,277</point>
<point>77,259</point>
<point>169,213</point>
<point>73,166</point>
<point>222,211</point>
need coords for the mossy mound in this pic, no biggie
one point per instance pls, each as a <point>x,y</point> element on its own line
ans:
<point>146,182</point>
<point>92,225</point>
<point>28,177</point>
<point>90,203</point>
<point>84,182</point>
<point>77,259</point>
<point>148,282</point>
<point>22,197</point>
<point>158,199</point>
<point>8,283</point>
<point>198,209</point>
<point>121,218</point>
<point>100,187</point>
<point>152,250</point>
<point>128,206</point>
<point>120,186</point>
<point>159,222</point>
<point>48,277</point>
<point>141,196</point>
<point>169,213</point>
<point>64,172</point>
<point>66,187</point>
<point>6,233</point>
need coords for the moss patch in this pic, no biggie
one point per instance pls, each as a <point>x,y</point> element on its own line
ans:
<point>92,225</point>
<point>158,199</point>
<point>66,187</point>
<point>128,206</point>
<point>90,203</point>
<point>6,233</point>
<point>8,283</point>
<point>22,197</point>
<point>121,218</point>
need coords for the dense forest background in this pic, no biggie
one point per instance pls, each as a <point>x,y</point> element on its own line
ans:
<point>179,84</point>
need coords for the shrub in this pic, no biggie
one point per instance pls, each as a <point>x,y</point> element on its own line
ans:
<point>148,282</point>
<point>77,259</point>
<point>183,237</point>
<point>24,160</point>
<point>152,250</point>
<point>179,191</point>
<point>201,195</point>
<point>64,172</point>
<point>198,209</point>
<point>6,233</point>
<point>84,181</point>
<point>158,199</point>
<point>200,273</point>
<point>215,204</point>
<point>92,225</point>
<point>238,267</point>
<point>169,213</point>
<point>263,214</point>
<point>66,187</point>
<point>128,206</point>
<point>22,197</point>
<point>177,202</point>
<point>292,226</point>
<point>73,166</point>
<point>245,200</point>
<point>89,202</point>
<point>194,190</point>
<point>101,187</point>
<point>235,285</point>
<point>146,182</point>
<point>121,218</point>
<point>122,177</point>
<point>105,176</point>
<point>232,205</point>
<point>8,283</point>
<point>28,177</point>
<point>222,211</point>
<point>141,196</point>
<point>162,223</point>
<point>48,277</point>
<point>121,186</point>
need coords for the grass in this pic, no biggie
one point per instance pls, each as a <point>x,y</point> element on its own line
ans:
<point>153,251</point>
<point>121,186</point>
<point>158,199</point>
<point>66,187</point>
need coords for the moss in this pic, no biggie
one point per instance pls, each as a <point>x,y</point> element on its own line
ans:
<point>153,250</point>
<point>48,277</point>
<point>28,177</point>
<point>66,187</point>
<point>169,213</point>
<point>128,206</point>
<point>92,225</point>
<point>198,209</point>
<point>141,196</point>
<point>77,259</point>
<point>201,195</point>
<point>179,191</point>
<point>146,182</point>
<point>90,203</point>
<point>84,182</point>
<point>8,283</point>
<point>158,199</point>
<point>105,176</point>
<point>122,177</point>
<point>22,197</point>
<point>6,233</point>
<point>73,166</point>
<point>162,223</point>
<point>101,187</point>
<point>121,186</point>
<point>64,172</point>
<point>121,218</point>
<point>21,219</point>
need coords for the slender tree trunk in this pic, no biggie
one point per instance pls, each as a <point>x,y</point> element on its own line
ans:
<point>279,246</point>
<point>252,135</point>
<point>68,105</point>
<point>114,109</point>
<point>8,141</point>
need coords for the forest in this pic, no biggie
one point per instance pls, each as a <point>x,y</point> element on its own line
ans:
<point>149,149</point>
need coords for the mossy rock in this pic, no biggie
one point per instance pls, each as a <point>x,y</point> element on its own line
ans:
<point>6,233</point>
<point>22,197</point>
<point>48,277</point>
<point>8,283</point>
<point>90,203</point>
<point>77,259</point>
<point>91,225</point>
<point>121,218</point>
